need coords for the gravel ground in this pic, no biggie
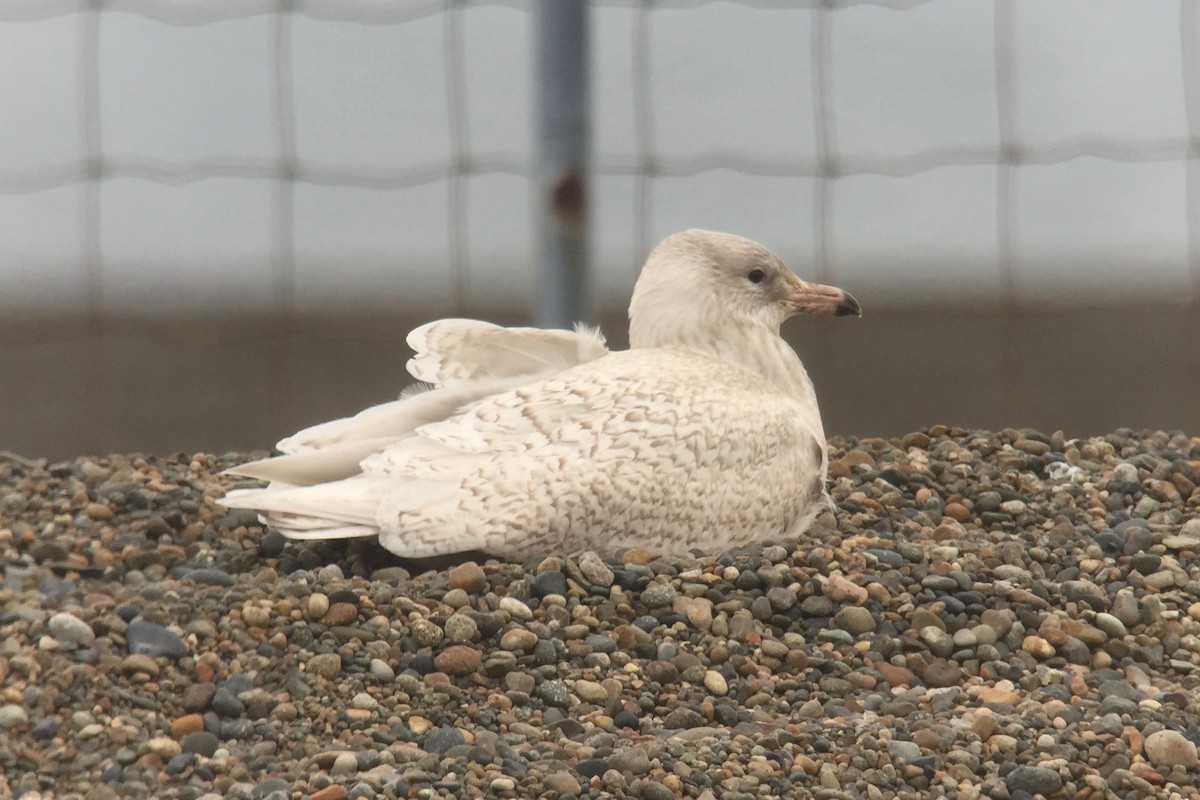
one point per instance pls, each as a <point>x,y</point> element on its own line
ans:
<point>1000,615</point>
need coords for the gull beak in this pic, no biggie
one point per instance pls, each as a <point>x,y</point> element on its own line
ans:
<point>815,298</point>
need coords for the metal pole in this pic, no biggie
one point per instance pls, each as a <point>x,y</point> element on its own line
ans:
<point>563,135</point>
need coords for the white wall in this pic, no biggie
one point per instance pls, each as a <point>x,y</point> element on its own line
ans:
<point>1030,152</point>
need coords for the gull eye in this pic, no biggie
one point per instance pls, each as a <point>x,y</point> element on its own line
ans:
<point>756,276</point>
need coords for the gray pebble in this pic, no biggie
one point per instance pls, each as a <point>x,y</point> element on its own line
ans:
<point>13,716</point>
<point>70,629</point>
<point>595,570</point>
<point>630,759</point>
<point>152,639</point>
<point>1035,780</point>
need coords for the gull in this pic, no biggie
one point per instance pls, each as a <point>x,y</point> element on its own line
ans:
<point>704,434</point>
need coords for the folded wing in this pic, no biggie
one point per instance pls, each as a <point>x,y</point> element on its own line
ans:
<point>462,362</point>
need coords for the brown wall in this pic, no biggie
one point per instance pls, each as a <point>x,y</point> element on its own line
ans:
<point>72,387</point>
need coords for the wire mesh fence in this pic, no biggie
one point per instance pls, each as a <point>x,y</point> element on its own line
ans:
<point>824,147</point>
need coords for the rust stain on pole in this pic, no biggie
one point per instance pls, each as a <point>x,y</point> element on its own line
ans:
<point>568,197</point>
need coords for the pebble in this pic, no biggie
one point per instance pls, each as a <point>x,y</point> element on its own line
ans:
<point>469,577</point>
<point>70,629</point>
<point>458,659</point>
<point>1035,780</point>
<point>13,716</point>
<point>326,665</point>
<point>518,640</point>
<point>998,601</point>
<point>440,740</point>
<point>595,570</point>
<point>1170,749</point>
<point>154,640</point>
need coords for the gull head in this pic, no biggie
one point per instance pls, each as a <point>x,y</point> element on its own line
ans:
<point>699,284</point>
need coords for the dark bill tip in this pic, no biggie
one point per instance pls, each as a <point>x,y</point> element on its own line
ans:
<point>849,306</point>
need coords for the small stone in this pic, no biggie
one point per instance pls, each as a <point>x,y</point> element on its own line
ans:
<point>1111,625</point>
<point>458,659</point>
<point>1037,647</point>
<point>941,673</point>
<point>98,511</point>
<point>905,751</point>
<point>683,718</point>
<point>317,605</point>
<point>202,743</point>
<point>595,570</point>
<point>334,791</point>
<point>842,590</point>
<point>13,716</point>
<point>164,747</point>
<point>139,663</point>
<point>518,640</point>
<point>940,643</point>
<point>516,609</point>
<point>630,759</point>
<point>855,619</point>
<point>1035,780</point>
<point>439,740</point>
<point>381,670</point>
<point>469,577</point>
<point>154,640</point>
<point>427,633</point>
<point>327,665</point>
<point>197,696</point>
<point>1169,748</point>
<point>554,693</point>
<point>1126,608</point>
<point>70,629</point>
<point>461,628</point>
<point>715,683</point>
<point>657,595</point>
<point>590,691</point>
<point>340,614</point>
<point>188,723</point>
<point>344,764</point>
<point>561,782</point>
<point>895,675</point>
<point>957,512</point>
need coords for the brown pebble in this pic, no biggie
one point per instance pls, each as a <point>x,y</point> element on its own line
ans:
<point>340,614</point>
<point>1055,636</point>
<point>469,577</point>
<point>940,673</point>
<point>984,725</point>
<point>140,662</point>
<point>333,791</point>
<point>189,723</point>
<point>1037,647</point>
<point>957,512</point>
<point>842,590</point>
<point>854,458</point>
<point>98,511</point>
<point>636,555</point>
<point>995,694</point>
<point>458,659</point>
<point>561,782</point>
<point>197,696</point>
<point>894,675</point>
<point>916,439</point>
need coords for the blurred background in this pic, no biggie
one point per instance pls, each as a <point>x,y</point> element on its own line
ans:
<point>219,218</point>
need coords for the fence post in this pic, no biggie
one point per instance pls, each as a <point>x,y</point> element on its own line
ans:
<point>562,109</point>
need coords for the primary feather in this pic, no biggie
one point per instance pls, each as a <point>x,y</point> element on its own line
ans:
<point>705,433</point>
